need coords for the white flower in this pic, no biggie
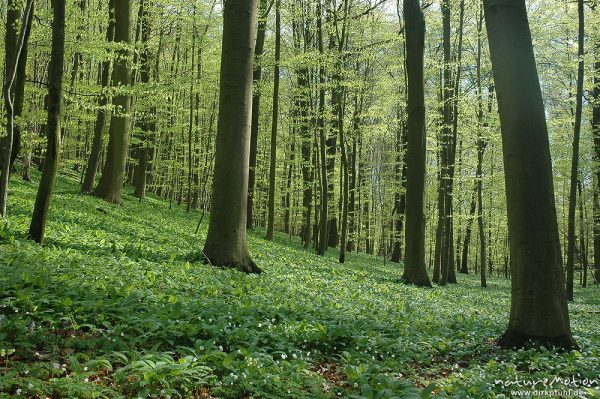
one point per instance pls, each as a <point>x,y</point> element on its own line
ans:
<point>19,391</point>
<point>283,356</point>
<point>220,348</point>
<point>30,385</point>
<point>86,380</point>
<point>85,368</point>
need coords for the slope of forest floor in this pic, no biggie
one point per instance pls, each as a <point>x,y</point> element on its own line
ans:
<point>116,304</point>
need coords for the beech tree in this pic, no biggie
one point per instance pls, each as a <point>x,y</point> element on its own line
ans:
<point>100,122</point>
<point>13,46</point>
<point>226,239</point>
<point>110,185</point>
<point>538,302</point>
<point>55,83</point>
<point>414,269</point>
<point>575,159</point>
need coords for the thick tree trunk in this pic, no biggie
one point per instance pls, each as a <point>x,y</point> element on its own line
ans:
<point>55,81</point>
<point>226,239</point>
<point>99,124</point>
<point>538,303</point>
<point>110,185</point>
<point>414,264</point>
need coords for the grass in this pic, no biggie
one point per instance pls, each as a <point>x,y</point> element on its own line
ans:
<point>115,304</point>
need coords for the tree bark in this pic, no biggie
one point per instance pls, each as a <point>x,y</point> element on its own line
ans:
<point>571,239</point>
<point>226,239</point>
<point>400,197</point>
<point>146,126</point>
<point>13,49</point>
<point>275,120</point>
<point>464,262</point>
<point>596,133</point>
<point>538,303</point>
<point>324,212</point>
<point>55,81</point>
<point>256,77</point>
<point>110,186</point>
<point>19,86</point>
<point>414,265</point>
<point>99,124</point>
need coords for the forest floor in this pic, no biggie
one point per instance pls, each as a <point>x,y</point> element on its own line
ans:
<point>116,304</point>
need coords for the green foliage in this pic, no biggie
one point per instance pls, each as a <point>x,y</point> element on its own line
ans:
<point>116,305</point>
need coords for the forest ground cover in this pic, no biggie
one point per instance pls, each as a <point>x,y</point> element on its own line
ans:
<point>118,304</point>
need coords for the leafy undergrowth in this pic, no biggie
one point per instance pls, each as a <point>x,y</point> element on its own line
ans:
<point>115,304</point>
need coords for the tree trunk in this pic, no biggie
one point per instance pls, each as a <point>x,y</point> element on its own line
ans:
<point>538,303</point>
<point>226,239</point>
<point>414,264</point>
<point>596,133</point>
<point>256,76</point>
<point>345,185</point>
<point>582,236</point>
<point>400,197</point>
<point>110,185</point>
<point>13,49</point>
<point>146,126</point>
<point>99,125</point>
<point>55,81</point>
<point>19,86</point>
<point>464,263</point>
<point>352,201</point>
<point>575,160</point>
<point>323,214</point>
<point>273,160</point>
<point>481,145</point>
